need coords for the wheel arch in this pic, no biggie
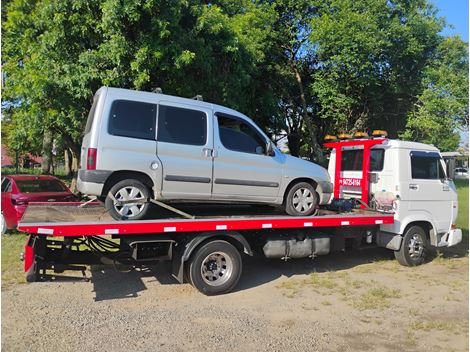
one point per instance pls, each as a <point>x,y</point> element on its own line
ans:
<point>425,221</point>
<point>232,237</point>
<point>293,182</point>
<point>118,176</point>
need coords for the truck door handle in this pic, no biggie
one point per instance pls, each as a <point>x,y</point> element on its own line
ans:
<point>413,186</point>
<point>445,188</point>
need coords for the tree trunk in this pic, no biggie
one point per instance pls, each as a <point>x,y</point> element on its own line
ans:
<point>293,140</point>
<point>46,152</point>
<point>68,162</point>
<point>74,169</point>
<point>311,128</point>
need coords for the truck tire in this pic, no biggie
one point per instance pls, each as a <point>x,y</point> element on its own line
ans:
<point>414,247</point>
<point>129,189</point>
<point>301,200</point>
<point>215,268</point>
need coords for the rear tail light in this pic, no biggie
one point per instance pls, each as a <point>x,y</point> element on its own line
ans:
<point>453,226</point>
<point>19,201</point>
<point>91,159</point>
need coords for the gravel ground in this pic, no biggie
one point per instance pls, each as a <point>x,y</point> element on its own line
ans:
<point>276,307</point>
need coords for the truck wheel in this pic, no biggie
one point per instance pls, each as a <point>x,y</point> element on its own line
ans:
<point>301,200</point>
<point>128,190</point>
<point>215,268</point>
<point>414,247</point>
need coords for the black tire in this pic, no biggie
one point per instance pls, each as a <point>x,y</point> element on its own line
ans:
<point>414,247</point>
<point>301,200</point>
<point>215,268</point>
<point>134,189</point>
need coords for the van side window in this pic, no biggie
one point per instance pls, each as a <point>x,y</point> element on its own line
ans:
<point>132,119</point>
<point>426,166</point>
<point>6,185</point>
<point>239,136</point>
<point>351,160</point>
<point>181,126</point>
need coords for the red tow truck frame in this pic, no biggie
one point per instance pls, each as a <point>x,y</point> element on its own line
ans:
<point>180,240</point>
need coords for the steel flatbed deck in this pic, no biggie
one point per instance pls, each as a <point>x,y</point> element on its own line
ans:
<point>91,220</point>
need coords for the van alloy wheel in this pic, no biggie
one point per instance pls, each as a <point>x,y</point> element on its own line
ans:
<point>303,200</point>
<point>126,194</point>
<point>128,190</point>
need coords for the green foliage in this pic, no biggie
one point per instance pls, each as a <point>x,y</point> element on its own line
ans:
<point>303,68</point>
<point>372,55</point>
<point>442,107</point>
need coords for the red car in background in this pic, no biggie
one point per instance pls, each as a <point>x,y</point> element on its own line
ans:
<point>19,190</point>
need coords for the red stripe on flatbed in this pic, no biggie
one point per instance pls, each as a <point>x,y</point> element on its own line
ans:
<point>159,226</point>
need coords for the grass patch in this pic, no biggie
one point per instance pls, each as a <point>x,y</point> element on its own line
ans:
<point>12,267</point>
<point>427,326</point>
<point>376,298</point>
<point>462,217</point>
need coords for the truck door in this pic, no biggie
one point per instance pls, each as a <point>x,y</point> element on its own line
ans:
<point>242,168</point>
<point>184,147</point>
<point>428,190</point>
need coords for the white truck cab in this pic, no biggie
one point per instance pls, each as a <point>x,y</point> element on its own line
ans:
<point>409,179</point>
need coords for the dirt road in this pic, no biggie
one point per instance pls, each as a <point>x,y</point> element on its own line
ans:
<point>356,301</point>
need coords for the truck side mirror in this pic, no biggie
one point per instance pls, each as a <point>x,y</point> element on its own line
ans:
<point>269,149</point>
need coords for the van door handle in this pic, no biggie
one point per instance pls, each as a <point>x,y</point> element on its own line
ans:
<point>445,188</point>
<point>207,152</point>
<point>413,186</point>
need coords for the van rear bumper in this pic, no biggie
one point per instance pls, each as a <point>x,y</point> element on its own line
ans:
<point>92,181</point>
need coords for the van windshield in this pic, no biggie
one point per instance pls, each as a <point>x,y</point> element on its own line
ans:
<point>91,114</point>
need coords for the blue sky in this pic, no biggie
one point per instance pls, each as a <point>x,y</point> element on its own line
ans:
<point>456,14</point>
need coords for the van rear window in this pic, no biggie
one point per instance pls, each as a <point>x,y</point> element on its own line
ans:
<point>351,160</point>
<point>132,119</point>
<point>91,115</point>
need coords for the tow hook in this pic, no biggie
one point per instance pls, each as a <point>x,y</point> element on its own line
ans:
<point>22,256</point>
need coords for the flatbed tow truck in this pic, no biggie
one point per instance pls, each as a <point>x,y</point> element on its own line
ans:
<point>206,247</point>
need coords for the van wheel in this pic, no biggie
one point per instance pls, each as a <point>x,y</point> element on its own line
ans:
<point>414,247</point>
<point>128,190</point>
<point>215,268</point>
<point>301,200</point>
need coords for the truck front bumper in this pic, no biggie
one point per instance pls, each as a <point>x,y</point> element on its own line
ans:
<point>451,239</point>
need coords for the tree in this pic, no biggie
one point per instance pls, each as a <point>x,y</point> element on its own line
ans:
<point>58,53</point>
<point>372,55</point>
<point>441,111</point>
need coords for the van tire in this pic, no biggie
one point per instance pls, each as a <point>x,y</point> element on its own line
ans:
<point>414,247</point>
<point>131,189</point>
<point>215,268</point>
<point>301,200</point>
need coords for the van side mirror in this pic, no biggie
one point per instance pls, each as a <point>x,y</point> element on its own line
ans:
<point>270,149</point>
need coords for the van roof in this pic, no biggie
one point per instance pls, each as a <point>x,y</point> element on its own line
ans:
<point>129,93</point>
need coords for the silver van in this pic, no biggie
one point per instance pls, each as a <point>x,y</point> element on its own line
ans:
<point>139,145</point>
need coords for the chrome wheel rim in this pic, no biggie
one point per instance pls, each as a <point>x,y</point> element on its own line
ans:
<point>415,246</point>
<point>303,200</point>
<point>129,209</point>
<point>216,269</point>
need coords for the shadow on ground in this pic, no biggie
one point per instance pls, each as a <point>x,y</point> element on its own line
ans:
<point>111,284</point>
